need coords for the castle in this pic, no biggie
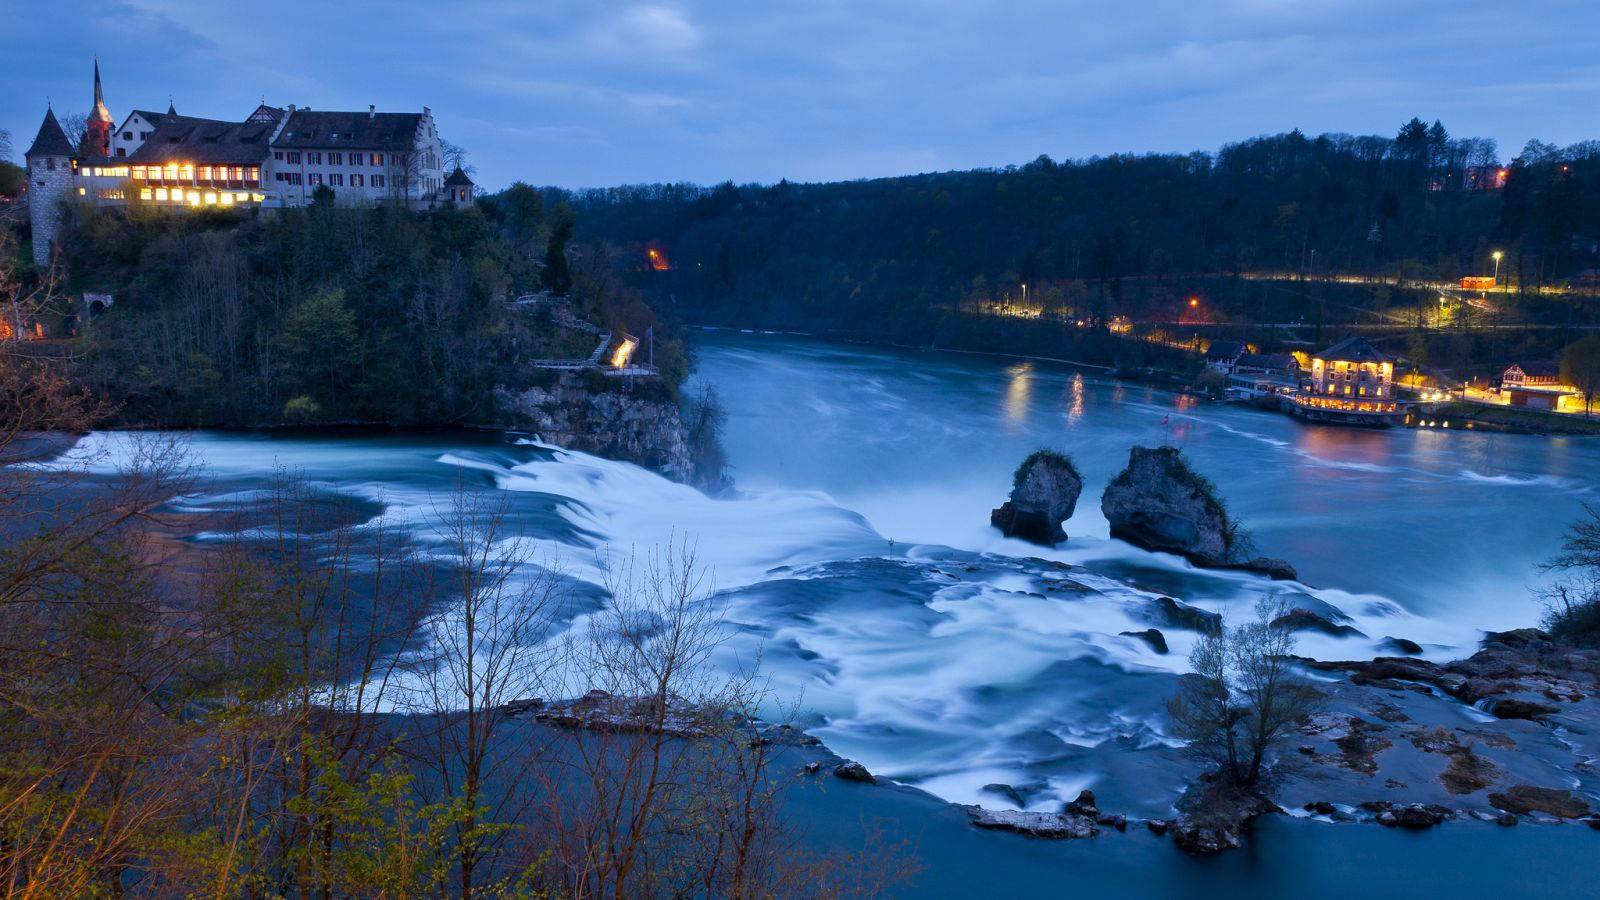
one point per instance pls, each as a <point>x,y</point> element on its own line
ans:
<point>274,158</point>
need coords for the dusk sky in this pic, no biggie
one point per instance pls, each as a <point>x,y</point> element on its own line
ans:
<point>601,93</point>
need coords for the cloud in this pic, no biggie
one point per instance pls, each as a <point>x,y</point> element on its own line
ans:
<point>600,92</point>
<point>660,28</point>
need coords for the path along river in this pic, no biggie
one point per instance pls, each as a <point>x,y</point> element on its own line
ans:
<point>978,675</point>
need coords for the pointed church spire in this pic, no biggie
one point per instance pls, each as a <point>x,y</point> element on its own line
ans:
<point>99,113</point>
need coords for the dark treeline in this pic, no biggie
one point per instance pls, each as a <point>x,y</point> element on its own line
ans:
<point>910,259</point>
<point>330,313</point>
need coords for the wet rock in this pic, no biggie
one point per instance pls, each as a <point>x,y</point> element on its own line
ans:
<point>1520,638</point>
<point>1592,822</point>
<point>1400,645</point>
<point>1417,816</point>
<point>1038,824</point>
<point>1276,569</point>
<point>1302,619</point>
<point>850,770</point>
<point>1004,791</point>
<point>1524,799</point>
<point>1083,806</point>
<point>1321,808</point>
<point>813,767</point>
<point>1151,636</point>
<point>1159,503</point>
<point>1112,820</point>
<point>1195,835</point>
<point>1181,616</point>
<point>1512,708</point>
<point>1158,827</point>
<point>1388,819</point>
<point>1044,494</point>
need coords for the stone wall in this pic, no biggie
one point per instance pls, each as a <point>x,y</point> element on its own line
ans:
<point>48,191</point>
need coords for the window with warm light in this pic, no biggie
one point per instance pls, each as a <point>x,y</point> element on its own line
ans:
<point>227,199</point>
<point>144,193</point>
<point>171,172</point>
<point>194,198</point>
<point>186,173</point>
<point>161,193</point>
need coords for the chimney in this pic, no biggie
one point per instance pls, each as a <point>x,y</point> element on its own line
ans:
<point>372,112</point>
<point>291,109</point>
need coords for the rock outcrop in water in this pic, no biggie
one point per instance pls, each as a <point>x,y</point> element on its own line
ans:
<point>1044,494</point>
<point>1159,503</point>
<point>648,432</point>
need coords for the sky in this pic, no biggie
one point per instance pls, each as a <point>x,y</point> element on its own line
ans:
<point>607,92</point>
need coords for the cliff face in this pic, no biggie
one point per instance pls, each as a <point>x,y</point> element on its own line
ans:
<point>1158,503</point>
<point>614,426</point>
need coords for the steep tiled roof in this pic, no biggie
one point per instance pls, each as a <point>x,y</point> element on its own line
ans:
<point>1537,369</point>
<point>52,141</point>
<point>457,177</point>
<point>1354,349</point>
<point>1224,350</point>
<point>358,130</point>
<point>180,139</point>
<point>99,113</point>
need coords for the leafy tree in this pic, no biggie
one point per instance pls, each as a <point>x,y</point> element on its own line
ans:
<point>320,337</point>
<point>1580,367</point>
<point>557,276</point>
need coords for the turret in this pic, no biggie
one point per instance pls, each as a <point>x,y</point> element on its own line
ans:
<point>458,189</point>
<point>98,140</point>
<point>50,183</point>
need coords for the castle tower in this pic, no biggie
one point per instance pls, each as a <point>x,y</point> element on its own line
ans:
<point>98,141</point>
<point>50,183</point>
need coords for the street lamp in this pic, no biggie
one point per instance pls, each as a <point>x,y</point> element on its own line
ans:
<point>1497,255</point>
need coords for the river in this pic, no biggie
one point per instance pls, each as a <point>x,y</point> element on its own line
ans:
<point>859,564</point>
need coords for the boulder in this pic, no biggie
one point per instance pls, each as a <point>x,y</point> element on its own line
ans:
<point>813,767</point>
<point>1302,619</point>
<point>850,770</point>
<point>1400,645</point>
<point>1158,827</point>
<point>1519,638</point>
<point>1418,816</point>
<point>1003,791</point>
<point>1083,806</point>
<point>1159,503</point>
<point>1151,636</point>
<point>1524,799</point>
<point>1193,835</point>
<point>1181,616</point>
<point>1276,569</point>
<point>1512,708</point>
<point>1044,494</point>
<point>1038,824</point>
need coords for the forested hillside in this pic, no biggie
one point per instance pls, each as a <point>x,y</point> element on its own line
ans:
<point>1125,235</point>
<point>330,313</point>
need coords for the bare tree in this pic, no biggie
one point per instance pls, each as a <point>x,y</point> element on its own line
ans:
<point>76,126</point>
<point>486,645</point>
<point>1245,692</point>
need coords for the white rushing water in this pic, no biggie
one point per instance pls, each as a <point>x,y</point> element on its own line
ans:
<point>945,659</point>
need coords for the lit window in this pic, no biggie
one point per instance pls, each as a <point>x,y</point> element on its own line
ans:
<point>211,199</point>
<point>144,193</point>
<point>254,173</point>
<point>194,198</point>
<point>80,191</point>
<point>186,173</point>
<point>161,193</point>
<point>172,172</point>
<point>257,197</point>
<point>227,199</point>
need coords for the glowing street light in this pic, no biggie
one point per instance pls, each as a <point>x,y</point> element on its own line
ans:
<point>1497,255</point>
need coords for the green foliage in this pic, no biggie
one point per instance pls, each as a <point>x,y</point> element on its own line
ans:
<point>1580,367</point>
<point>334,313</point>
<point>1054,458</point>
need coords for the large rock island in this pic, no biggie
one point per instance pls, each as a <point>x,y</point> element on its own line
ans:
<point>1159,503</point>
<point>1044,494</point>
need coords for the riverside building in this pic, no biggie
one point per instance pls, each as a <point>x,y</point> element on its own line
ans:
<point>1351,382</point>
<point>273,158</point>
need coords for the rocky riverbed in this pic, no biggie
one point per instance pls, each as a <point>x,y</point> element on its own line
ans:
<point>1510,734</point>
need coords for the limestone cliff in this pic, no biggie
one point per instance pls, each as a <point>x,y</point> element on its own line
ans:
<point>648,431</point>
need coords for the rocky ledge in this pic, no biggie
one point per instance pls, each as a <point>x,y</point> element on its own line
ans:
<point>567,413</point>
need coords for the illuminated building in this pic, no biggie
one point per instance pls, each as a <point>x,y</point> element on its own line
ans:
<point>1352,383</point>
<point>274,158</point>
